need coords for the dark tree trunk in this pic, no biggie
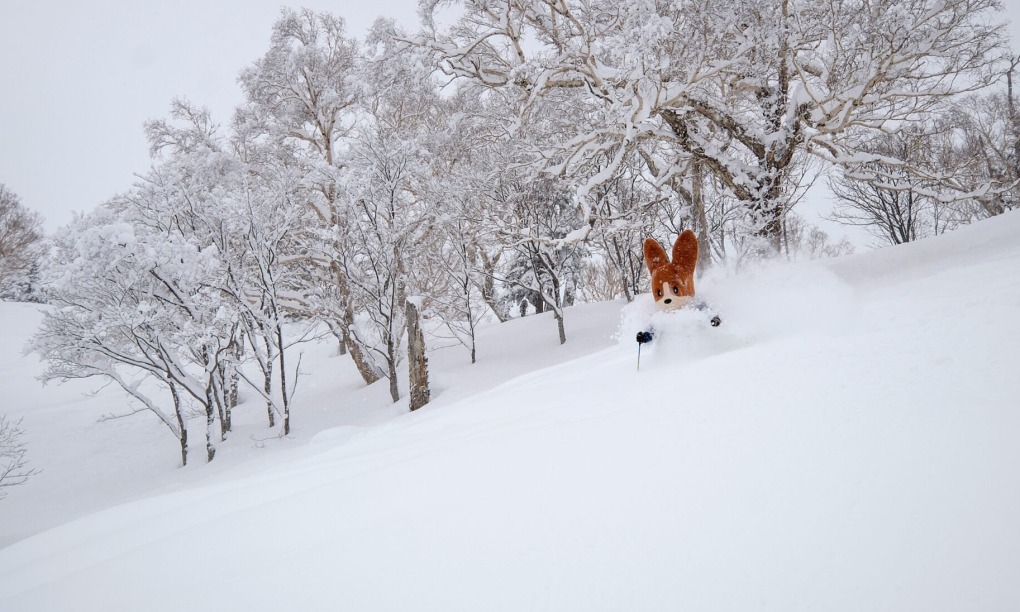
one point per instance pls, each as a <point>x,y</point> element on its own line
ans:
<point>559,325</point>
<point>466,289</point>
<point>181,425</point>
<point>361,360</point>
<point>210,422</point>
<point>417,361</point>
<point>214,393</point>
<point>770,213</point>
<point>391,361</point>
<point>184,447</point>
<point>538,302</point>
<point>283,381</point>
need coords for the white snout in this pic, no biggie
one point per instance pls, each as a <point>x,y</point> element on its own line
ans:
<point>669,301</point>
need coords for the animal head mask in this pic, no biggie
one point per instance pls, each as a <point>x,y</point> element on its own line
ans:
<point>672,281</point>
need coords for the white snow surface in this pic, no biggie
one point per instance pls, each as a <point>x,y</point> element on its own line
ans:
<point>849,439</point>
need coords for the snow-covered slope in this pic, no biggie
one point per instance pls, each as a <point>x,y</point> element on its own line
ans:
<point>88,462</point>
<point>846,441</point>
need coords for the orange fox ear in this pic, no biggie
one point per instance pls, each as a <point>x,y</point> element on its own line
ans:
<point>685,252</point>
<point>655,255</point>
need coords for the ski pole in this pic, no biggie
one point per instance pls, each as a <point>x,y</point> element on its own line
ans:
<point>642,337</point>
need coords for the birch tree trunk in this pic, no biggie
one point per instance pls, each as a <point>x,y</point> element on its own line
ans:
<point>417,361</point>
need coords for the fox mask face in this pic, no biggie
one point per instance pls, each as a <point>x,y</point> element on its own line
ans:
<point>672,281</point>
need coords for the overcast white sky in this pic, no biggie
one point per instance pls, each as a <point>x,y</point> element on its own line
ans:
<point>79,77</point>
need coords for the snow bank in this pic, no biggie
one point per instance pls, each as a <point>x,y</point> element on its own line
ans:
<point>845,441</point>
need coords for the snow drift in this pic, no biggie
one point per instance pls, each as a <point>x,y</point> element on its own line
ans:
<point>847,440</point>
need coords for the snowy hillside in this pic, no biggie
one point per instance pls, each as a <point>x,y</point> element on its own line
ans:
<point>847,440</point>
<point>96,464</point>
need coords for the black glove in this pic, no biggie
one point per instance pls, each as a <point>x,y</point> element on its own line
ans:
<point>644,336</point>
<point>716,321</point>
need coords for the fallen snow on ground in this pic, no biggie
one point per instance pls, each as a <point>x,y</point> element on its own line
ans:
<point>847,440</point>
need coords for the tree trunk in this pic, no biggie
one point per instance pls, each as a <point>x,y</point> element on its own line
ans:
<point>569,294</point>
<point>558,312</point>
<point>219,396</point>
<point>769,213</point>
<point>266,362</point>
<point>267,386</point>
<point>283,381</point>
<point>184,447</point>
<point>1013,62</point>
<point>471,326</point>
<point>361,361</point>
<point>466,289</point>
<point>488,287</point>
<point>224,411</point>
<point>234,379</point>
<point>620,261</point>
<point>214,393</point>
<point>232,388</point>
<point>557,305</point>
<point>417,361</point>
<point>391,363</point>
<point>538,301</point>
<point>210,422</point>
<point>1011,106</point>
<point>181,425</point>
<point>700,217</point>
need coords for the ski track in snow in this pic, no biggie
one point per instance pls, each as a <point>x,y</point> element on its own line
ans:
<point>847,440</point>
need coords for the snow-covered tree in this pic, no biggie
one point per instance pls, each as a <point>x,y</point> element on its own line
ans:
<point>301,96</point>
<point>911,189</point>
<point>987,128</point>
<point>108,322</point>
<point>190,197</point>
<point>266,286</point>
<point>138,285</point>
<point>245,209</point>
<point>741,89</point>
<point>21,247</point>
<point>470,152</point>
<point>14,468</point>
<point>808,241</point>
<point>537,217</point>
<point>630,207</point>
<point>386,212</point>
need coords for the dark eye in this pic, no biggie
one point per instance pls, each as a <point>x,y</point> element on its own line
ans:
<point>658,292</point>
<point>676,290</point>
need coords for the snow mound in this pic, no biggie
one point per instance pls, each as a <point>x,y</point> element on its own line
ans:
<point>772,302</point>
<point>679,336</point>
